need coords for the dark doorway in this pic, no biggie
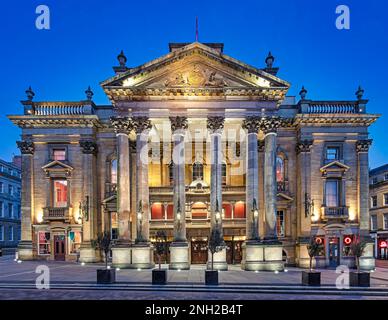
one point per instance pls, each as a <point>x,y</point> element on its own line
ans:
<point>334,252</point>
<point>59,248</point>
<point>233,251</point>
<point>199,252</point>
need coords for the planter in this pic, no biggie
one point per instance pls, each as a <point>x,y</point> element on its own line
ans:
<point>106,276</point>
<point>211,277</point>
<point>311,278</point>
<point>359,279</point>
<point>159,276</point>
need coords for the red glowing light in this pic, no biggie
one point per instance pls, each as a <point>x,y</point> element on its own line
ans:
<point>383,244</point>
<point>348,240</point>
<point>318,240</point>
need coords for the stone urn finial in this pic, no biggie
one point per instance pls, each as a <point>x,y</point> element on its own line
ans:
<point>359,93</point>
<point>30,94</point>
<point>89,93</point>
<point>303,93</point>
<point>269,60</point>
<point>122,59</point>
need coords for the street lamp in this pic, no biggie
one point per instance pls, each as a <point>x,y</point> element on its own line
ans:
<point>140,222</point>
<point>179,215</point>
<point>255,215</point>
<point>217,214</point>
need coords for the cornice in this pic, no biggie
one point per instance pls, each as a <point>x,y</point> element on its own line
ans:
<point>56,121</point>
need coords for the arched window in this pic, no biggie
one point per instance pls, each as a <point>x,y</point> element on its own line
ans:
<point>280,169</point>
<point>223,173</point>
<point>171,173</point>
<point>113,171</point>
<point>197,171</point>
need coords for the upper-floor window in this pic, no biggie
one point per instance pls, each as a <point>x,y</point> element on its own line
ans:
<point>279,169</point>
<point>1,209</point>
<point>223,173</point>
<point>332,195</point>
<point>374,180</point>
<point>19,192</point>
<point>280,223</point>
<point>19,212</point>
<point>113,171</point>
<point>373,222</point>
<point>386,177</point>
<point>1,233</point>
<point>197,171</point>
<point>10,233</point>
<point>332,153</point>
<point>60,193</point>
<point>373,201</point>
<point>171,173</point>
<point>59,154</point>
<point>386,199</point>
<point>10,210</point>
<point>1,187</point>
<point>385,221</point>
<point>10,189</point>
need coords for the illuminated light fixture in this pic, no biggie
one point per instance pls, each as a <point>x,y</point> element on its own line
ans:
<point>138,269</point>
<point>178,216</point>
<point>82,263</point>
<point>347,240</point>
<point>117,269</point>
<point>19,261</point>
<point>179,270</point>
<point>285,270</point>
<point>256,271</point>
<point>108,267</point>
<point>383,244</point>
<point>39,217</point>
<point>276,271</point>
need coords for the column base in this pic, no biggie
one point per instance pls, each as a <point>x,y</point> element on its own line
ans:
<point>302,256</point>
<point>121,255</point>
<point>25,250</point>
<point>179,256</point>
<point>142,256</point>
<point>87,253</point>
<point>219,261</point>
<point>262,256</point>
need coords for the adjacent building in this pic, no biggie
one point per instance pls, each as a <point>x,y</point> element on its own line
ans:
<point>10,205</point>
<point>192,142</point>
<point>379,210</point>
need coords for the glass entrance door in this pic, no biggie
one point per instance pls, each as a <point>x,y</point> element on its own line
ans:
<point>198,252</point>
<point>59,248</point>
<point>334,252</point>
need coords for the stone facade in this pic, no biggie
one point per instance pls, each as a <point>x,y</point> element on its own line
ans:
<point>378,179</point>
<point>10,210</point>
<point>196,141</point>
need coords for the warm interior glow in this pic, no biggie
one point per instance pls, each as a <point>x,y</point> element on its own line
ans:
<point>39,217</point>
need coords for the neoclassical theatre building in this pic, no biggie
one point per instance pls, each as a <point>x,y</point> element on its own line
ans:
<point>194,141</point>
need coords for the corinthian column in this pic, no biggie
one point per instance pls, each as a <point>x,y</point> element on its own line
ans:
<point>25,248</point>
<point>269,126</point>
<point>179,249</point>
<point>215,125</point>
<point>89,201</point>
<point>121,252</point>
<point>142,251</point>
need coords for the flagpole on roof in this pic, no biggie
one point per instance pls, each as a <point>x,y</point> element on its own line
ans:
<point>196,29</point>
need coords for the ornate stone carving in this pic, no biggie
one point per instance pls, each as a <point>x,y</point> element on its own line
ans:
<point>363,145</point>
<point>215,124</point>
<point>140,124</point>
<point>122,124</point>
<point>178,123</point>
<point>88,147</point>
<point>304,146</point>
<point>26,146</point>
<point>251,124</point>
<point>270,124</point>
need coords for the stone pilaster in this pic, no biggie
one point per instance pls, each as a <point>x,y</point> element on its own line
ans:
<point>215,125</point>
<point>269,126</point>
<point>142,250</point>
<point>89,201</point>
<point>121,252</point>
<point>179,249</point>
<point>25,247</point>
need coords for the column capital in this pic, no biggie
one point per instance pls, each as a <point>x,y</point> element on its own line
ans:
<point>26,146</point>
<point>215,124</point>
<point>270,124</point>
<point>121,124</point>
<point>251,124</point>
<point>141,124</point>
<point>363,145</point>
<point>304,146</point>
<point>88,147</point>
<point>178,123</point>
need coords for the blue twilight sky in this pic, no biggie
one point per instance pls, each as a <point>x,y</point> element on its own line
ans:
<point>86,36</point>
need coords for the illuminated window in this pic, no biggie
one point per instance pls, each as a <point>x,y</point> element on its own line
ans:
<point>74,241</point>
<point>199,210</point>
<point>113,171</point>
<point>170,212</point>
<point>227,210</point>
<point>197,171</point>
<point>44,242</point>
<point>171,173</point>
<point>157,211</point>
<point>279,169</point>
<point>332,193</point>
<point>114,226</point>
<point>332,153</point>
<point>280,223</point>
<point>59,154</point>
<point>223,173</point>
<point>60,193</point>
<point>239,210</point>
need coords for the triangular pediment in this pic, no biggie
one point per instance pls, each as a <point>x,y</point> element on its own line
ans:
<point>195,66</point>
<point>334,166</point>
<point>57,167</point>
<point>283,197</point>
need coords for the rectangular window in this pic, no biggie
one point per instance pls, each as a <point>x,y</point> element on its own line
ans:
<point>10,190</point>
<point>385,221</point>
<point>44,242</point>
<point>373,201</point>
<point>1,209</point>
<point>386,177</point>
<point>114,226</point>
<point>332,193</point>
<point>19,193</point>
<point>332,153</point>
<point>280,223</point>
<point>1,233</point>
<point>373,222</point>
<point>59,154</point>
<point>60,193</point>
<point>10,210</point>
<point>10,233</point>
<point>74,242</point>
<point>374,180</point>
<point>386,199</point>
<point>1,187</point>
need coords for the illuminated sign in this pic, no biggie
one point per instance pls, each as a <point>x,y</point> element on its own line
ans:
<point>383,244</point>
<point>348,240</point>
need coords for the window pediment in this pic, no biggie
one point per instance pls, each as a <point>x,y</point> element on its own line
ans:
<point>57,169</point>
<point>334,168</point>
